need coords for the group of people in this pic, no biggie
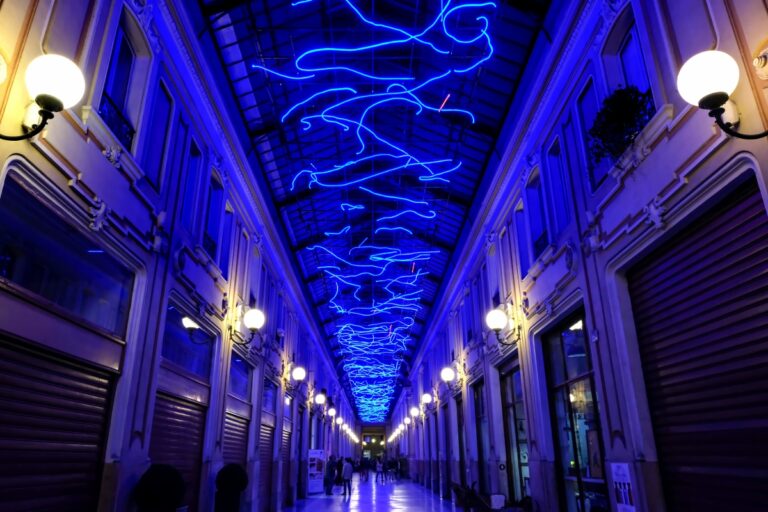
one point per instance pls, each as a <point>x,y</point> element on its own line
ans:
<point>385,469</point>
<point>338,472</point>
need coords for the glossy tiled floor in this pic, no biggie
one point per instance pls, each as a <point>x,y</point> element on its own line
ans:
<point>403,496</point>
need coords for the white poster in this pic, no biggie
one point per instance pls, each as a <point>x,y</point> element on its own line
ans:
<point>316,469</point>
<point>622,487</point>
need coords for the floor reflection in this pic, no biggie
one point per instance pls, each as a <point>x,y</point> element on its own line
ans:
<point>372,497</point>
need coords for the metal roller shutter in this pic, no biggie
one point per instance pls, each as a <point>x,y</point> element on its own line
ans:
<point>53,428</point>
<point>700,303</point>
<point>266,443</point>
<point>235,439</point>
<point>285,455</point>
<point>177,439</point>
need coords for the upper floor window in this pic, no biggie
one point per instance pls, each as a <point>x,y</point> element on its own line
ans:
<point>522,240</point>
<point>114,100</point>
<point>537,220</point>
<point>254,277</point>
<point>632,63</point>
<point>558,187</point>
<point>622,55</point>
<point>213,211</point>
<point>158,135</point>
<point>588,106</point>
<point>43,254</point>
<point>189,190</point>
<point>126,78</point>
<point>226,241</point>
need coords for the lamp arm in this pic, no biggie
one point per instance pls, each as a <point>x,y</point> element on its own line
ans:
<point>727,127</point>
<point>44,114</point>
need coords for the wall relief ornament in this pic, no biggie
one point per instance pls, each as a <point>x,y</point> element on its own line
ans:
<point>98,214</point>
<point>113,155</point>
<point>159,237</point>
<point>593,235</point>
<point>654,213</point>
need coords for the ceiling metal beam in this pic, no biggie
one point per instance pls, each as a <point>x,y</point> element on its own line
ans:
<point>218,6</point>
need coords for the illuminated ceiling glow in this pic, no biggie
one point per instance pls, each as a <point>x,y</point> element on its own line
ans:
<point>373,122</point>
<point>375,329</point>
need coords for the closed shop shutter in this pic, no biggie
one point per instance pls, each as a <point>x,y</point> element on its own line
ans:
<point>700,304</point>
<point>266,443</point>
<point>235,439</point>
<point>177,439</point>
<point>53,427</point>
<point>285,455</point>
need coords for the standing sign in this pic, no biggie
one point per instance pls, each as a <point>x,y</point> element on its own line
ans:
<point>316,468</point>
<point>622,487</point>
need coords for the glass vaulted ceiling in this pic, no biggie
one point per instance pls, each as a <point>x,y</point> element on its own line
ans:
<point>373,124</point>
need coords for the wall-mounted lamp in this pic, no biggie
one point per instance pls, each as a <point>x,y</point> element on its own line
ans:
<point>707,81</point>
<point>407,421</point>
<point>55,83</point>
<point>428,402</point>
<point>192,327</point>
<point>497,320</point>
<point>331,412</point>
<point>451,378</point>
<point>253,320</point>
<point>318,404</point>
<point>297,376</point>
<point>414,412</point>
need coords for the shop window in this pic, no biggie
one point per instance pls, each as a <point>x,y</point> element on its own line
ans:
<point>269,397</point>
<point>522,240</point>
<point>43,254</point>
<point>537,216</point>
<point>158,134</point>
<point>558,187</point>
<point>575,420</point>
<point>481,432</point>
<point>516,435</point>
<point>288,408</point>
<point>191,353</point>
<point>240,377</point>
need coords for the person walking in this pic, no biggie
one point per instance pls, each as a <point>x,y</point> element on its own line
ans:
<point>380,471</point>
<point>346,476</point>
<point>329,475</point>
<point>339,468</point>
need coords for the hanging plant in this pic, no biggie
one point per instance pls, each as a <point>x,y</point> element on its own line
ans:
<point>623,115</point>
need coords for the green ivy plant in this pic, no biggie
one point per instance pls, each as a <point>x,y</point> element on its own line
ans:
<point>622,116</point>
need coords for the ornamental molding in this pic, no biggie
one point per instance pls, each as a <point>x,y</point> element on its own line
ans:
<point>654,213</point>
<point>113,154</point>
<point>98,213</point>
